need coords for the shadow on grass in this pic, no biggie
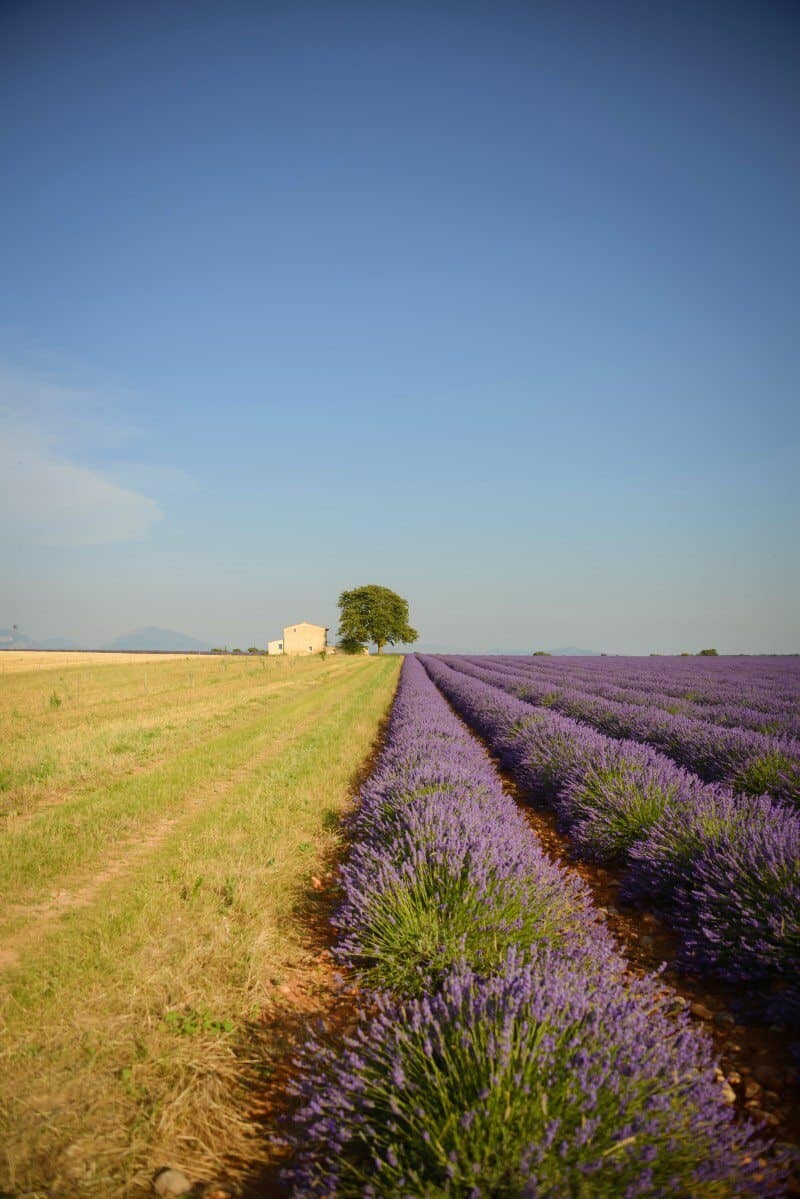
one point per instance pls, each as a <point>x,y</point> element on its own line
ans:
<point>321,999</point>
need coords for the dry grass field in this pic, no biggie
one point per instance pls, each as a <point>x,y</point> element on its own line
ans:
<point>161,821</point>
<point>12,661</point>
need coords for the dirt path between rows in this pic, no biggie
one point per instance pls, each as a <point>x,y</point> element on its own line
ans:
<point>754,1058</point>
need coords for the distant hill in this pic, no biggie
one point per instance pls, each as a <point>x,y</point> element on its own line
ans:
<point>158,639</point>
<point>13,639</point>
<point>165,640</point>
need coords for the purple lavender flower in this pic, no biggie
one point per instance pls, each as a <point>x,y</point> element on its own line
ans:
<point>618,797</point>
<point>443,867</point>
<point>526,1083</point>
<point>740,905</point>
<point>528,1063</point>
<point>745,759</point>
<point>609,805</point>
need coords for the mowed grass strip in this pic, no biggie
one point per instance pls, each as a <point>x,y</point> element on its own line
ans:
<point>131,1030</point>
<point>74,728</point>
<point>24,661</point>
<point>53,848</point>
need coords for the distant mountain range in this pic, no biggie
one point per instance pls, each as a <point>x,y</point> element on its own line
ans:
<point>170,641</point>
<point>13,639</point>
<point>164,640</point>
<point>157,639</point>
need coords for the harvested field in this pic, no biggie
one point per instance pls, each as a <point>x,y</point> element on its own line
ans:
<point>15,661</point>
<point>162,822</point>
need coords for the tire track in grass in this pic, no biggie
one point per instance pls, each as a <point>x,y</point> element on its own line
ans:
<point>130,852</point>
<point>198,724</point>
<point>321,993</point>
<point>105,1084</point>
<point>25,923</point>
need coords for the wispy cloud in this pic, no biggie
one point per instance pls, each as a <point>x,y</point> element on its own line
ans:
<point>47,496</point>
<point>58,503</point>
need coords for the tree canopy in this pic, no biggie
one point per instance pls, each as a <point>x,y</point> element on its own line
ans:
<point>374,613</point>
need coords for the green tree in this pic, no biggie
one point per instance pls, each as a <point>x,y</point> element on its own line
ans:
<point>349,645</point>
<point>708,653</point>
<point>376,614</point>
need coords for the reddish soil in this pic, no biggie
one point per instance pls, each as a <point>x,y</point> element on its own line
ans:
<point>312,996</point>
<point>754,1058</point>
<point>318,1000</point>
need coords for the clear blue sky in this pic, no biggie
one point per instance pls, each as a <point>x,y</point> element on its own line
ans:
<point>494,304</point>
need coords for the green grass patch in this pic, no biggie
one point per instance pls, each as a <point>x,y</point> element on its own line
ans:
<point>132,1017</point>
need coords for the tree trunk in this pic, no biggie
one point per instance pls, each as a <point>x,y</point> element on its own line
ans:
<point>380,646</point>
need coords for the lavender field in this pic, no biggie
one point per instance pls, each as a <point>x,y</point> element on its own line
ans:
<point>692,820</point>
<point>504,1042</point>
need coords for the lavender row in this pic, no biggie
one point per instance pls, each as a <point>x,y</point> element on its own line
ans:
<point>725,868</point>
<point>731,712</point>
<point>696,688</point>
<point>511,1055</point>
<point>743,760</point>
<point>766,681</point>
<point>733,704</point>
<point>442,866</point>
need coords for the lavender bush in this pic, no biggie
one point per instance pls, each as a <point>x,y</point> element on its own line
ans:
<point>665,856</point>
<point>606,792</point>
<point>443,867</point>
<point>528,1083</point>
<point>744,896</point>
<point>543,749</point>
<point>459,880</point>
<point>774,771</point>
<point>773,684</point>
<point>612,803</point>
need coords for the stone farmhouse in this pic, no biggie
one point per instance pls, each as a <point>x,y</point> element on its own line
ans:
<point>301,639</point>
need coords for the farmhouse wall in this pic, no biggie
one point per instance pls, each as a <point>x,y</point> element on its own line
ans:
<point>304,638</point>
